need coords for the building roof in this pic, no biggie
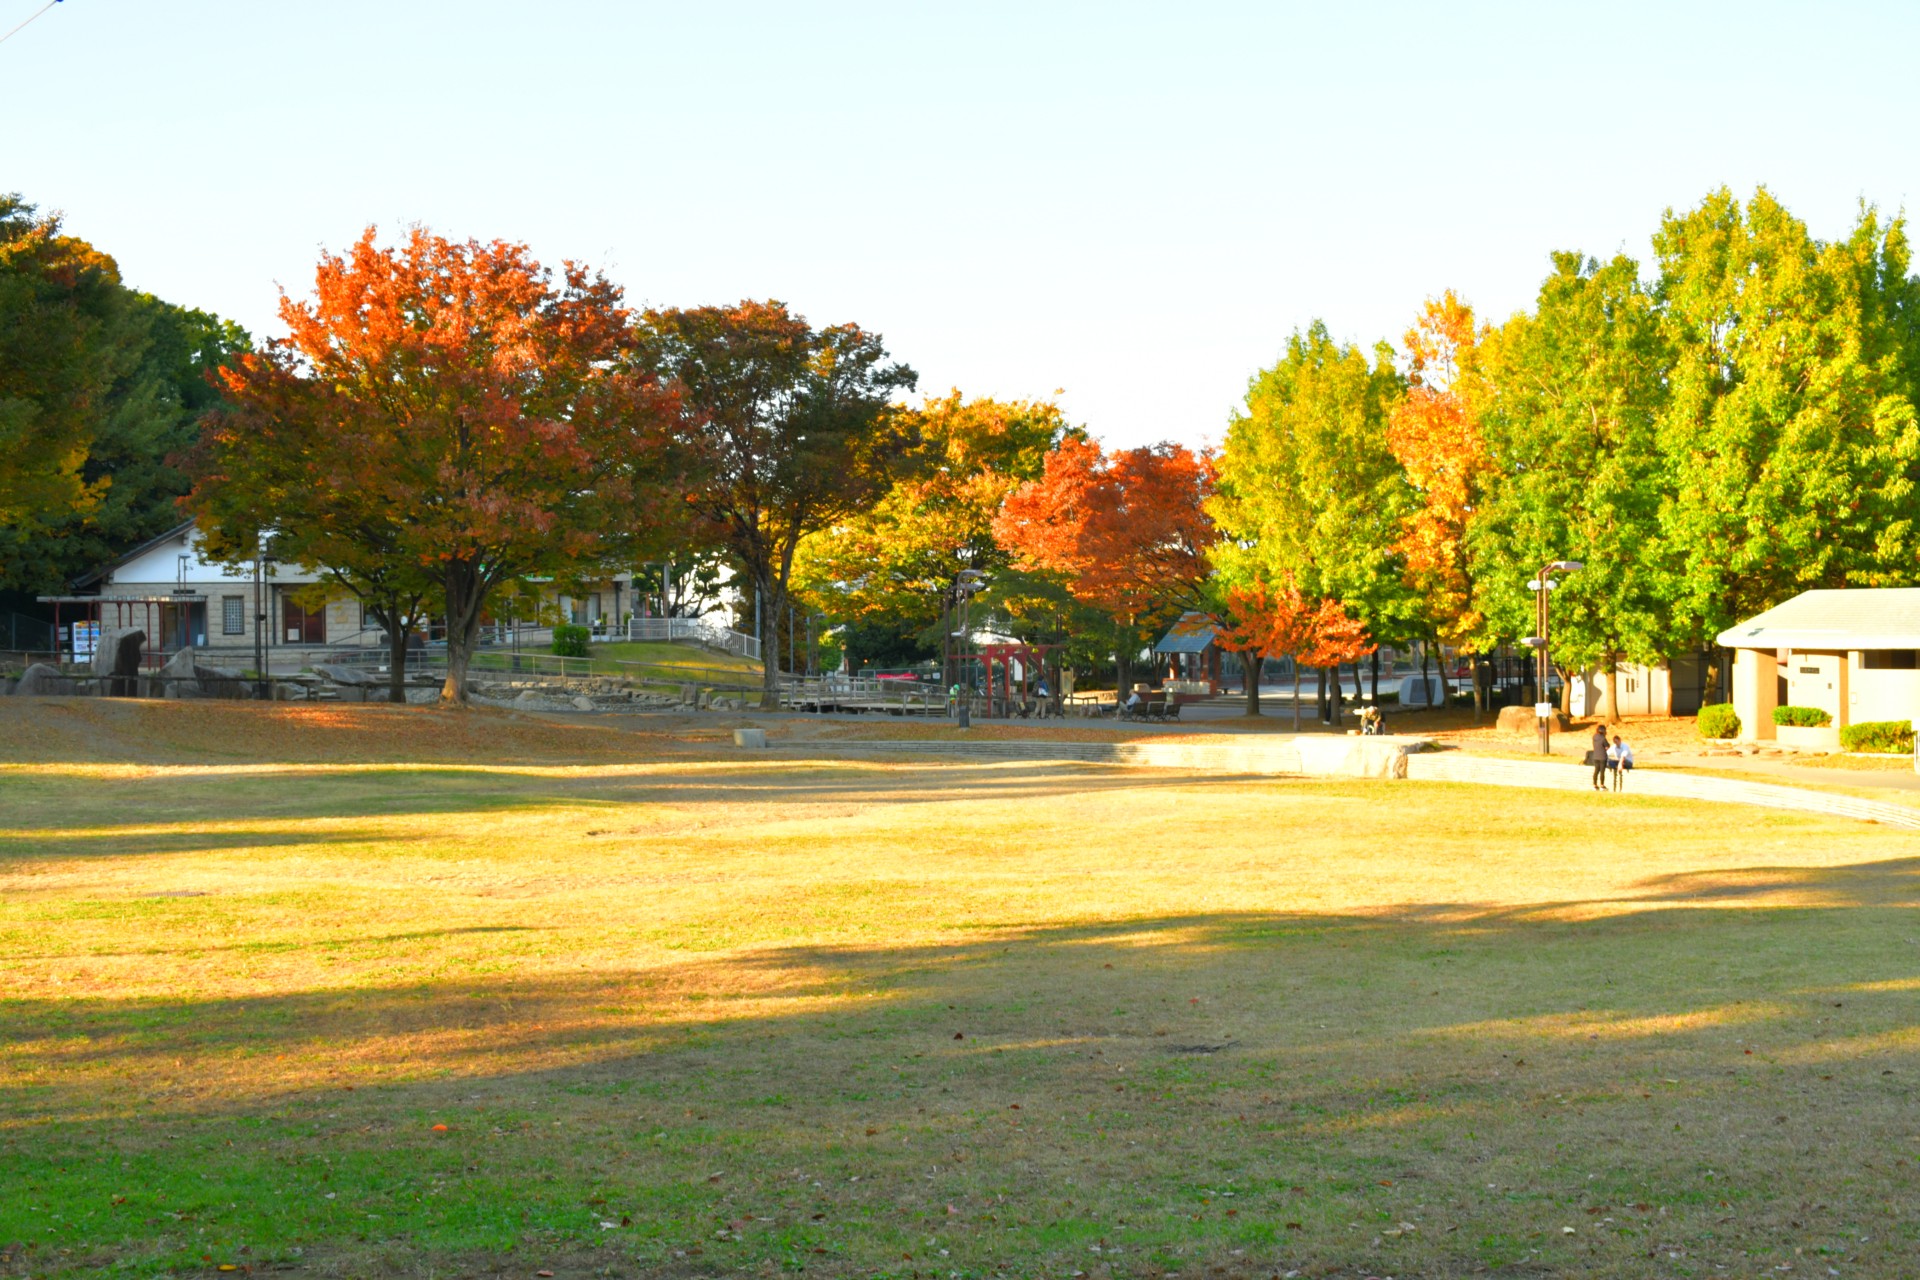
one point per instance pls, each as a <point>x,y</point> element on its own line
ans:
<point>1192,633</point>
<point>1849,618</point>
<point>92,576</point>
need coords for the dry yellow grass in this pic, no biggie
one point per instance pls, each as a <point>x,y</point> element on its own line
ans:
<point>681,1011</point>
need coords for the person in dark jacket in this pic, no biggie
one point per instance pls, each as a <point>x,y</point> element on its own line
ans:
<point>1597,757</point>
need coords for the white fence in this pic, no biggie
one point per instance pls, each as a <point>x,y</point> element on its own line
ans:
<point>696,629</point>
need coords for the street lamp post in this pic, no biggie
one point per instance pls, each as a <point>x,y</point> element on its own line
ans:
<point>1541,586</point>
<point>959,595</point>
<point>263,562</point>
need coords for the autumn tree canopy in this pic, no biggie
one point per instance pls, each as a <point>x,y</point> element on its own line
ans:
<point>1434,433</point>
<point>447,410</point>
<point>889,565</point>
<point>1260,621</point>
<point>1128,530</point>
<point>788,430</point>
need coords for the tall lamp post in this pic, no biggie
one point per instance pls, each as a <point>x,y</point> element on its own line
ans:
<point>1542,586</point>
<point>960,594</point>
<point>263,562</point>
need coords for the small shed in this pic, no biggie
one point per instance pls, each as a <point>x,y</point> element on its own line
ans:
<point>1852,652</point>
<point>1190,655</point>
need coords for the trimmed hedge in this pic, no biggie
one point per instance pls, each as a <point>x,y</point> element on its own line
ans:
<point>571,642</point>
<point>1719,721</point>
<point>1893,737</point>
<point>1801,717</point>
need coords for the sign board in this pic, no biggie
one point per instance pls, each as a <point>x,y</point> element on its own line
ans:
<point>1543,709</point>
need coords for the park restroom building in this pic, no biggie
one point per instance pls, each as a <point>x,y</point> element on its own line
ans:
<point>1852,652</point>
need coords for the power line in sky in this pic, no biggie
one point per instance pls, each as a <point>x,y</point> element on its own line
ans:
<point>36,13</point>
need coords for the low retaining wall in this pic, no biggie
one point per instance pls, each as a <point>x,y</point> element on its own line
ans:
<point>1329,756</point>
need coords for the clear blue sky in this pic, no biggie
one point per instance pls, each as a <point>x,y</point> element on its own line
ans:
<point>1136,204</point>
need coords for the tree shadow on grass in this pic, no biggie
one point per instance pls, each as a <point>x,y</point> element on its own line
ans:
<point>1673,936</point>
<point>83,817</point>
<point>1088,1083</point>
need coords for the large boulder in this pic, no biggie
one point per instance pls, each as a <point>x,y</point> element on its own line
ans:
<point>116,658</point>
<point>184,677</point>
<point>1522,720</point>
<point>177,677</point>
<point>42,680</point>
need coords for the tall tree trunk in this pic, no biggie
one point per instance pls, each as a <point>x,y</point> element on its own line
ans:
<point>1426,685</point>
<point>1320,694</point>
<point>769,641</point>
<point>1613,689</point>
<point>1251,660</point>
<point>1376,678</point>
<point>1294,662</point>
<point>1334,711</point>
<point>466,594</point>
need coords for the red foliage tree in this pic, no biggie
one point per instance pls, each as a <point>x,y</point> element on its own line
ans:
<point>442,407</point>
<point>1261,621</point>
<point>1128,530</point>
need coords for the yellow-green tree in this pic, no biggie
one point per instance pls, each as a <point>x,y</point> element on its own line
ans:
<point>1790,438</point>
<point>888,566</point>
<point>1308,490</point>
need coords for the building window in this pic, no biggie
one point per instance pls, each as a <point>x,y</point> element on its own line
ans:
<point>233,615</point>
<point>1888,659</point>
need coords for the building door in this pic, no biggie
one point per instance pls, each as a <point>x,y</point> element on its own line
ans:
<point>183,624</point>
<point>299,625</point>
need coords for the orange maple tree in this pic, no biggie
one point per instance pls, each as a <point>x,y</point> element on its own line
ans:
<point>1435,434</point>
<point>1261,621</point>
<point>1127,530</point>
<point>440,408</point>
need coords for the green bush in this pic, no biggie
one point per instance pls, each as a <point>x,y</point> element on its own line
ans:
<point>1719,721</point>
<point>1801,717</point>
<point>1893,737</point>
<point>571,642</point>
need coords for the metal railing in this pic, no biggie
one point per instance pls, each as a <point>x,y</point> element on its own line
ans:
<point>838,692</point>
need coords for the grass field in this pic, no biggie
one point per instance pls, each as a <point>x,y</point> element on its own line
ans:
<point>660,653</point>
<point>385,991</point>
<point>632,659</point>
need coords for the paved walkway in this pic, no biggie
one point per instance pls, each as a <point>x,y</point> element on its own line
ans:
<point>1278,755</point>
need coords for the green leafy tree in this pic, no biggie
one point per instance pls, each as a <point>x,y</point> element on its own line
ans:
<point>1309,491</point>
<point>61,309</point>
<point>101,389</point>
<point>149,423</point>
<point>1790,434</point>
<point>1572,451</point>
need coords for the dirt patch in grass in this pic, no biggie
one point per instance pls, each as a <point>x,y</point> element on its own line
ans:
<point>143,731</point>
